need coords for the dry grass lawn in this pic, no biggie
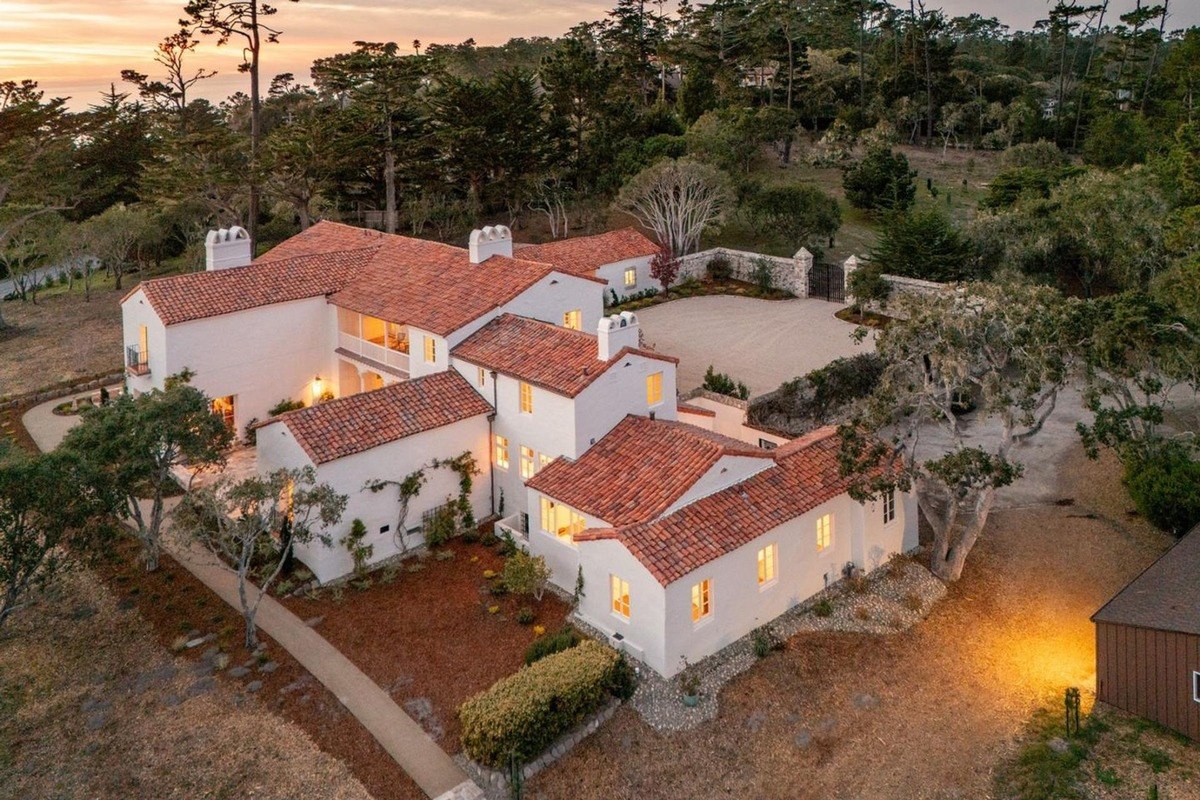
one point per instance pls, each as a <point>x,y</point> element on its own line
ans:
<point>929,713</point>
<point>91,707</point>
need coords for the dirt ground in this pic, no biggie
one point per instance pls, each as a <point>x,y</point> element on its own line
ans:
<point>924,714</point>
<point>427,636</point>
<point>91,706</point>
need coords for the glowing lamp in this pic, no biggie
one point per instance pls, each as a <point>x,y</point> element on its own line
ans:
<point>318,387</point>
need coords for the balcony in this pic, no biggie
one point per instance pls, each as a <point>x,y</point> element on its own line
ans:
<point>393,353</point>
<point>515,526</point>
<point>136,361</point>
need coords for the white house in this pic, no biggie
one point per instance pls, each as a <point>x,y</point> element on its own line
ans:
<point>689,527</point>
<point>688,540</point>
<point>619,258</point>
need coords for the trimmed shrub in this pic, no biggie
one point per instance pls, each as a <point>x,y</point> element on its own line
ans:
<point>624,681</point>
<point>521,715</point>
<point>556,642</point>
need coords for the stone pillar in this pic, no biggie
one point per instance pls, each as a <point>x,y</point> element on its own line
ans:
<point>848,267</point>
<point>804,265</point>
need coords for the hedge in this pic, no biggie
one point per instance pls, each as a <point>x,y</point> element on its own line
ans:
<point>525,712</point>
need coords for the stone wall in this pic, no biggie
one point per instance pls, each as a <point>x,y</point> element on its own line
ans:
<point>902,285</point>
<point>788,274</point>
<point>61,390</point>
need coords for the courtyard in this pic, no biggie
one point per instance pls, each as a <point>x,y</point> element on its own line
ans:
<point>759,342</point>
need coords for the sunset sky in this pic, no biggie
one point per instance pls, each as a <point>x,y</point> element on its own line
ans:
<point>77,48</point>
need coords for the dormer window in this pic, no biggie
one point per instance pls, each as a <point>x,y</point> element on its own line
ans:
<point>573,320</point>
<point>430,350</point>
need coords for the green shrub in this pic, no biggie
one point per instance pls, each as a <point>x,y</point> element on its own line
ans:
<point>824,608</point>
<point>285,405</point>
<point>526,574</point>
<point>721,383</point>
<point>441,524</point>
<point>525,616</point>
<point>353,542</point>
<point>719,268</point>
<point>552,643</point>
<point>763,275</point>
<point>519,716</point>
<point>624,681</point>
<point>1165,487</point>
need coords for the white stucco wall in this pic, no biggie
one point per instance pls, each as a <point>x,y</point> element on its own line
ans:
<point>619,392</point>
<point>730,420</point>
<point>259,356</point>
<point>136,311</point>
<point>726,472</point>
<point>643,633</point>
<point>393,461</point>
<point>562,556</point>
<point>614,275</point>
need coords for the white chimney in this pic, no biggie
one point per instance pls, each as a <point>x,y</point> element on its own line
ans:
<point>493,240</point>
<point>227,248</point>
<point>615,333</point>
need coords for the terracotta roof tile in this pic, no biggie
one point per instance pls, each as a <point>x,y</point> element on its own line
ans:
<point>350,425</point>
<point>688,408</point>
<point>429,285</point>
<point>638,469</point>
<point>805,475</point>
<point>550,356</point>
<point>583,255</point>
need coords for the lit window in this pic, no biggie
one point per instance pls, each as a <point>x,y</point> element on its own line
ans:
<point>573,320</point>
<point>562,521</point>
<point>526,398</point>
<point>481,376</point>
<point>889,506</point>
<point>543,460</point>
<point>500,452</point>
<point>824,532</point>
<point>701,600</point>
<point>620,597</point>
<point>528,462</point>
<point>223,407</point>
<point>630,277</point>
<point>654,389</point>
<point>430,350</point>
<point>766,565</point>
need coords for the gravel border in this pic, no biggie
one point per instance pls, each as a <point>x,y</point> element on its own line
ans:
<point>882,603</point>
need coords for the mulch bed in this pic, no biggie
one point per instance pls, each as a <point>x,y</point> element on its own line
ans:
<point>868,319</point>
<point>13,430</point>
<point>427,636</point>
<point>174,603</point>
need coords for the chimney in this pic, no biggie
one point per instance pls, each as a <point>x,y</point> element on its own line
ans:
<point>227,248</point>
<point>615,333</point>
<point>493,240</point>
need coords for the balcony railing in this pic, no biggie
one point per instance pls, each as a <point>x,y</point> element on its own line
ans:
<point>514,526</point>
<point>376,352</point>
<point>136,361</point>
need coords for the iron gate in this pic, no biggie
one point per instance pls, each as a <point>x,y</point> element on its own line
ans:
<point>827,282</point>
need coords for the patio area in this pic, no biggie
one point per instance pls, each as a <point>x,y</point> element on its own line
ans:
<point>759,342</point>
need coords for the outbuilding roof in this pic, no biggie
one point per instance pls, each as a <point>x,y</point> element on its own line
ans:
<point>638,469</point>
<point>353,424</point>
<point>583,255</point>
<point>562,360</point>
<point>1166,596</point>
<point>804,476</point>
<point>429,285</point>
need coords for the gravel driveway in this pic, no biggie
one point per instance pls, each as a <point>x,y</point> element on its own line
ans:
<point>759,342</point>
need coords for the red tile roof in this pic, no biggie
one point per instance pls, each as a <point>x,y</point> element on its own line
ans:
<point>583,255</point>
<point>638,469</point>
<point>688,408</point>
<point>429,285</point>
<point>350,425</point>
<point>550,356</point>
<point>805,475</point>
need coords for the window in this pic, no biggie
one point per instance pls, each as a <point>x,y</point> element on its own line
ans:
<point>543,460</point>
<point>223,407</point>
<point>144,342</point>
<point>430,350</point>
<point>824,532</point>
<point>766,444</point>
<point>526,398</point>
<point>562,521</point>
<point>1196,686</point>
<point>528,462</point>
<point>500,451</point>
<point>654,389</point>
<point>481,376</point>
<point>889,506</point>
<point>702,600</point>
<point>630,277</point>
<point>766,565</point>
<point>573,320</point>
<point>620,597</point>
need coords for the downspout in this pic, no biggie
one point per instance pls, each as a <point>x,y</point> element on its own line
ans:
<point>491,444</point>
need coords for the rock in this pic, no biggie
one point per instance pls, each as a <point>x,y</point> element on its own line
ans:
<point>202,686</point>
<point>93,704</point>
<point>1059,744</point>
<point>154,678</point>
<point>239,672</point>
<point>313,622</point>
<point>221,661</point>
<point>803,739</point>
<point>201,669</point>
<point>194,633</point>
<point>269,667</point>
<point>96,721</point>
<point>171,700</point>
<point>210,653</point>
<point>193,643</point>
<point>826,726</point>
<point>254,686</point>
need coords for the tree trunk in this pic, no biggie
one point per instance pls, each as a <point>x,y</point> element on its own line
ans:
<point>389,183</point>
<point>255,127</point>
<point>956,529</point>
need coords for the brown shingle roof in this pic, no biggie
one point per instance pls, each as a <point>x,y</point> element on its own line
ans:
<point>583,255</point>
<point>552,357</point>
<point>350,425</point>
<point>638,469</point>
<point>805,475</point>
<point>1166,596</point>
<point>429,285</point>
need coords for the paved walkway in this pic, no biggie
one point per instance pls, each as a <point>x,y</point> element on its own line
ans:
<point>404,740</point>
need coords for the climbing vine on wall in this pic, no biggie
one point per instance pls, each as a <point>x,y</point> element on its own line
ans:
<point>464,465</point>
